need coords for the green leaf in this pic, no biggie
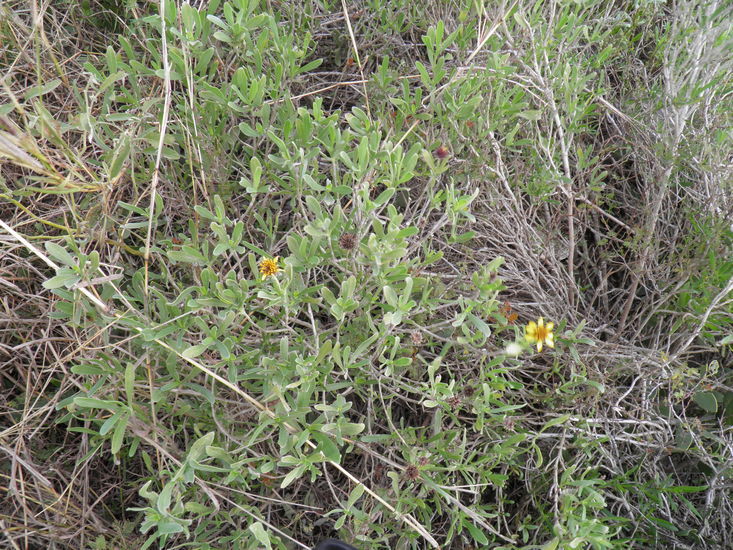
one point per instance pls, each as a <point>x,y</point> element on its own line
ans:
<point>682,439</point>
<point>194,351</point>
<point>328,295</point>
<point>324,350</point>
<point>463,237</point>
<point>256,249</point>
<point>314,206</point>
<point>664,523</point>
<point>310,66</point>
<point>707,401</point>
<point>555,421</point>
<point>130,382</point>
<point>406,232</point>
<point>480,325</point>
<point>476,533</point>
<point>93,403</point>
<point>531,114</point>
<point>42,89</point>
<point>260,534</point>
<point>201,390</point>
<point>391,296</point>
<point>424,76</point>
<point>198,448</point>
<point>355,495</point>
<point>59,253</point>
<point>88,369</point>
<point>149,541</point>
<point>352,428</point>
<point>384,196</point>
<point>169,528</point>
<point>292,475</point>
<point>65,279</point>
<point>163,502</point>
<point>122,153</point>
<point>110,423</point>
<point>119,434</point>
<point>224,37</point>
<point>327,446</point>
<point>187,254</point>
<point>361,348</point>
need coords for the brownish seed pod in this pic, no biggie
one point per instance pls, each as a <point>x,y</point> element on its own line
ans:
<point>347,241</point>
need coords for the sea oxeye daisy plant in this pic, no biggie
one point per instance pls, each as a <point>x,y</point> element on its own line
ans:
<point>269,266</point>
<point>540,333</point>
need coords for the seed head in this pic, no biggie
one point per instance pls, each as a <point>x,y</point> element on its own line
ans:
<point>411,472</point>
<point>416,338</point>
<point>453,401</point>
<point>347,241</point>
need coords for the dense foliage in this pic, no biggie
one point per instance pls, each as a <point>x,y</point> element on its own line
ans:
<point>413,274</point>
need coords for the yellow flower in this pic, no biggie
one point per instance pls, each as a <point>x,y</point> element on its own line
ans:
<point>540,333</point>
<point>268,266</point>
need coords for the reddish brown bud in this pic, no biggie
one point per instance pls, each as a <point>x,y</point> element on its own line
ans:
<point>442,152</point>
<point>411,472</point>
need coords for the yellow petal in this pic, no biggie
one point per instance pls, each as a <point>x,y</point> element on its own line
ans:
<point>550,326</point>
<point>539,346</point>
<point>541,321</point>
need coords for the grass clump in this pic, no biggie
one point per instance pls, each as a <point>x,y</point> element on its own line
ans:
<point>412,275</point>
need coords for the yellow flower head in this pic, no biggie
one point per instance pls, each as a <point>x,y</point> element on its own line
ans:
<point>268,266</point>
<point>540,333</point>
